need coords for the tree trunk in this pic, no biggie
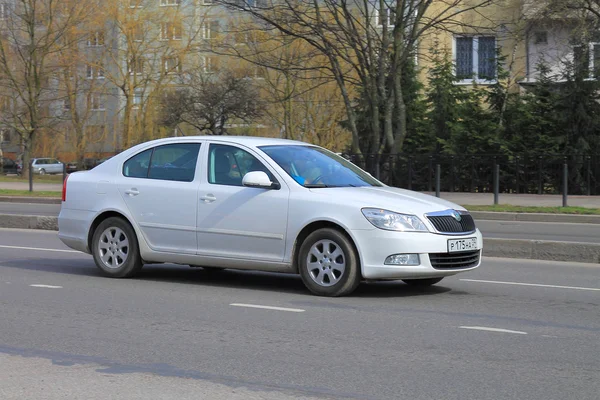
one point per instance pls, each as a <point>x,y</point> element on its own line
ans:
<point>400,114</point>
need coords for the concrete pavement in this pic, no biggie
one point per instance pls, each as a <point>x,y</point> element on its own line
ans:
<point>512,329</point>
<point>88,380</point>
<point>37,186</point>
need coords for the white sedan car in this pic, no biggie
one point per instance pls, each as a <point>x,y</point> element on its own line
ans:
<point>262,204</point>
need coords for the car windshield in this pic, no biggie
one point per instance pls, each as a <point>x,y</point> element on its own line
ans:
<point>314,167</point>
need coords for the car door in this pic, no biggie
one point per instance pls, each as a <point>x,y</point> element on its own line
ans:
<point>236,221</point>
<point>160,188</point>
<point>54,166</point>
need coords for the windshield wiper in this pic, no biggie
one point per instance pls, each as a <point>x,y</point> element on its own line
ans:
<point>315,185</point>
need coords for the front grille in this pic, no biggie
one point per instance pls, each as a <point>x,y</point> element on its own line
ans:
<point>464,259</point>
<point>448,224</point>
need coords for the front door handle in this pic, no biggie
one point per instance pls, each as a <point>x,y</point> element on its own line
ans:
<point>209,198</point>
<point>132,192</point>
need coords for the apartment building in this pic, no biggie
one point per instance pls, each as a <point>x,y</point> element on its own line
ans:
<point>526,32</point>
<point>135,49</point>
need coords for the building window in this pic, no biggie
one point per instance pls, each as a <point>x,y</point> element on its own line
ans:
<point>170,2</point>
<point>95,39</point>
<point>4,11</point>
<point>5,103</point>
<point>170,31</point>
<point>172,65</point>
<point>388,15</point>
<point>210,29</point>
<point>586,60</point>
<point>66,105</point>
<point>541,37</point>
<point>207,2</point>
<point>97,102</point>
<point>475,58</point>
<point>135,33</point>
<point>136,66</point>
<point>137,98</point>
<point>95,72</point>
<point>209,64</point>
<point>5,136</point>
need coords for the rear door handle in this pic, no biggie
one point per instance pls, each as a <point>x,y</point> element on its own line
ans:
<point>132,192</point>
<point>209,198</point>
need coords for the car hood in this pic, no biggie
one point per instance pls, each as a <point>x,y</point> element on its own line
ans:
<point>389,198</point>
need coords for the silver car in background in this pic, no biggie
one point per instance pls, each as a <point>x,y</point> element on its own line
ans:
<point>44,166</point>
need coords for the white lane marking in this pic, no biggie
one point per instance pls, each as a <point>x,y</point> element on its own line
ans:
<point>47,286</point>
<point>532,284</point>
<point>485,328</point>
<point>38,249</point>
<point>267,307</point>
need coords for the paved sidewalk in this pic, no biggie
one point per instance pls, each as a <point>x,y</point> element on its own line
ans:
<point>546,200</point>
<point>37,186</point>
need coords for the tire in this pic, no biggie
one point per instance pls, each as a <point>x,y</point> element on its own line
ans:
<point>328,263</point>
<point>421,283</point>
<point>112,234</point>
<point>42,171</point>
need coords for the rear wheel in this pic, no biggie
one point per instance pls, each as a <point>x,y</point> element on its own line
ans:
<point>328,263</point>
<point>115,248</point>
<point>422,282</point>
<point>42,171</point>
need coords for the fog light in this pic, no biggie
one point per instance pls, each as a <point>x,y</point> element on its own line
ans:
<point>403,259</point>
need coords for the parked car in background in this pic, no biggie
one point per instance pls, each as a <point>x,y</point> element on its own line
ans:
<point>44,166</point>
<point>262,204</point>
<point>72,167</point>
<point>10,166</point>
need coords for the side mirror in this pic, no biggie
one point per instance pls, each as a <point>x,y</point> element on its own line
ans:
<point>259,179</point>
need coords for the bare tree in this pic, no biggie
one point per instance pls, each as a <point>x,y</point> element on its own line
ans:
<point>32,32</point>
<point>210,103</point>
<point>367,44</point>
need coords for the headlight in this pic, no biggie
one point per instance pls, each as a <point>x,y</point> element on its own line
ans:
<point>392,221</point>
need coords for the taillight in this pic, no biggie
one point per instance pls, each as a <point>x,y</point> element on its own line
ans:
<point>64,191</point>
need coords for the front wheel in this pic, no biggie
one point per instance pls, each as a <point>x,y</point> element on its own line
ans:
<point>115,248</point>
<point>328,263</point>
<point>421,283</point>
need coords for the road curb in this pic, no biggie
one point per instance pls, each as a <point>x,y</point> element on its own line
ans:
<point>542,250</point>
<point>535,217</point>
<point>503,248</point>
<point>31,200</point>
<point>28,222</point>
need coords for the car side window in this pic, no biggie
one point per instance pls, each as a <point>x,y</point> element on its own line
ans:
<point>227,165</point>
<point>174,162</point>
<point>137,166</point>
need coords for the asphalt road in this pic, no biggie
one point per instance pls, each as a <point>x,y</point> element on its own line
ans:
<point>512,329</point>
<point>493,229</point>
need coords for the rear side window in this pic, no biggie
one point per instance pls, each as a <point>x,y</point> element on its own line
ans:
<point>174,162</point>
<point>171,162</point>
<point>137,166</point>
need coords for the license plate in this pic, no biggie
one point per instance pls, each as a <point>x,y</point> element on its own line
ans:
<point>466,244</point>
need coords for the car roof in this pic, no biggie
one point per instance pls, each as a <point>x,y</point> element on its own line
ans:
<point>244,140</point>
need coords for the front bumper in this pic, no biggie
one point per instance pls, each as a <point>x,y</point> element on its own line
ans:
<point>375,245</point>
